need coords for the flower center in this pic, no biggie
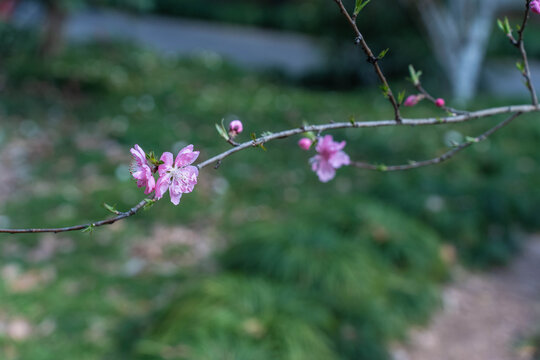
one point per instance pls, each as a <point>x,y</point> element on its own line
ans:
<point>134,167</point>
<point>178,174</point>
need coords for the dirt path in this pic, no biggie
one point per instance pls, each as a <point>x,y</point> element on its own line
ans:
<point>485,316</point>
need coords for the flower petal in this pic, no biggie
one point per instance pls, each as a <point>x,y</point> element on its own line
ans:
<point>150,185</point>
<point>138,154</point>
<point>324,143</point>
<point>162,185</point>
<point>186,156</point>
<point>339,159</point>
<point>175,196</point>
<point>139,174</point>
<point>188,179</point>
<point>167,159</point>
<point>325,171</point>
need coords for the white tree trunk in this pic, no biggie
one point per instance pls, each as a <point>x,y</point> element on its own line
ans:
<point>459,32</point>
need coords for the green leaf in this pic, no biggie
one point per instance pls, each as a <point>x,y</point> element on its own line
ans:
<point>266,133</point>
<point>415,75</point>
<point>471,139</point>
<point>500,25</point>
<point>385,89</point>
<point>504,26</point>
<point>89,229</point>
<point>221,131</point>
<point>360,4</point>
<point>382,167</point>
<point>148,203</point>
<point>507,26</point>
<point>383,53</point>
<point>110,208</point>
<point>520,66</point>
<point>351,120</point>
<point>401,97</point>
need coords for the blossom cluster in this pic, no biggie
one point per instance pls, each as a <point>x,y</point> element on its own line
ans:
<point>178,176</point>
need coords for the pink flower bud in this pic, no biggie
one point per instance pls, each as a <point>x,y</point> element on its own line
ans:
<point>236,127</point>
<point>304,143</point>
<point>535,6</point>
<point>411,100</point>
<point>439,102</point>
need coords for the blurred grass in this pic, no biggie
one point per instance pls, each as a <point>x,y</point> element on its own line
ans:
<point>335,269</point>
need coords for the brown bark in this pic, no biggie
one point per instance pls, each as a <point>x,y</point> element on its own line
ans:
<point>51,43</point>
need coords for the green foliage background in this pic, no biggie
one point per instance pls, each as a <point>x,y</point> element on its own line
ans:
<point>300,269</point>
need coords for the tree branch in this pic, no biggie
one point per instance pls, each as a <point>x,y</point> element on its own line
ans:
<point>516,109</point>
<point>428,96</point>
<point>446,156</point>
<point>372,59</point>
<point>122,215</point>
<point>520,44</point>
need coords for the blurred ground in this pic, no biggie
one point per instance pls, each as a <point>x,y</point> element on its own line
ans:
<point>486,316</point>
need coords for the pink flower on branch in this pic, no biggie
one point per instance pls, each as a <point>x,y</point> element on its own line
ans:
<point>329,158</point>
<point>141,171</point>
<point>178,178</point>
<point>535,6</point>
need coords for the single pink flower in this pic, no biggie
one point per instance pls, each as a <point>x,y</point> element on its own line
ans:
<point>535,6</point>
<point>178,178</point>
<point>439,102</point>
<point>411,100</point>
<point>235,127</point>
<point>141,171</point>
<point>329,158</point>
<point>304,143</point>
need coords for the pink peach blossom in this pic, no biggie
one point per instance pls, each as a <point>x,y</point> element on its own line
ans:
<point>179,178</point>
<point>535,6</point>
<point>304,143</point>
<point>141,171</point>
<point>329,158</point>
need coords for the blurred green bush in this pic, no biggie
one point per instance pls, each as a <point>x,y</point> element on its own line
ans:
<point>305,269</point>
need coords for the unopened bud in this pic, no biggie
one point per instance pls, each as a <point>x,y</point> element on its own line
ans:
<point>235,127</point>
<point>304,143</point>
<point>439,102</point>
<point>411,100</point>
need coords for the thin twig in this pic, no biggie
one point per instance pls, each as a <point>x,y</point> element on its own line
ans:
<point>232,142</point>
<point>372,59</point>
<point>371,124</point>
<point>446,156</point>
<point>520,44</point>
<point>428,96</point>
<point>122,215</point>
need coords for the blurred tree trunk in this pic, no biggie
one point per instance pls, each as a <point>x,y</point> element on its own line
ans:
<point>54,25</point>
<point>459,32</point>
